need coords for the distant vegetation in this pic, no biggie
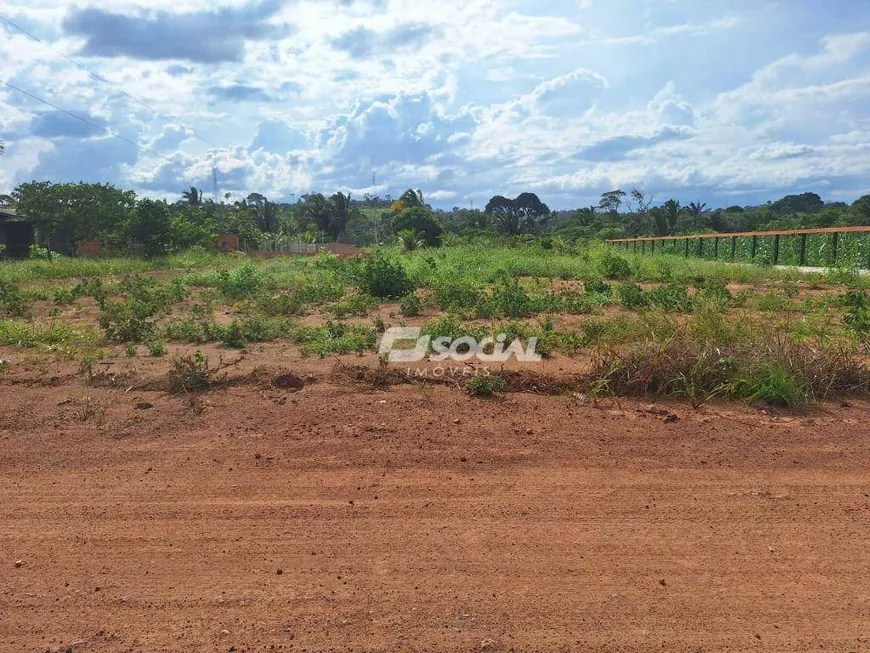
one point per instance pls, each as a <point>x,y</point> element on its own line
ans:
<point>125,223</point>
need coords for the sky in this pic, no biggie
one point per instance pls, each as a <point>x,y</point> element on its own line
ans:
<point>729,102</point>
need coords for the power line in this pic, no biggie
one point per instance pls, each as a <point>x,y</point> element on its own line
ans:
<point>110,132</point>
<point>102,79</point>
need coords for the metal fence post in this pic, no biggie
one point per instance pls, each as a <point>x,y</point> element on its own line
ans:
<point>776,249</point>
<point>687,248</point>
<point>835,241</point>
<point>753,248</point>
<point>733,247</point>
<point>716,248</point>
<point>803,250</point>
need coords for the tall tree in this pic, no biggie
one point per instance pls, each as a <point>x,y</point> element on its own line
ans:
<point>525,214</point>
<point>83,211</point>
<point>611,201</point>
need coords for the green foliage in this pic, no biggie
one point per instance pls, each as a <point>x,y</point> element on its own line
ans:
<point>421,222</point>
<point>612,266</point>
<point>156,348</point>
<point>773,302</point>
<point>127,321</point>
<point>357,304</point>
<point>410,305</point>
<point>133,319</point>
<point>38,253</point>
<point>409,240</point>
<point>191,374</point>
<point>485,385</point>
<point>598,287</point>
<point>507,299</point>
<point>381,277</point>
<point>455,293</point>
<point>773,384</point>
<point>283,305</point>
<point>334,338</point>
<point>857,317</point>
<point>13,302</point>
<point>671,297</point>
<point>56,336</point>
<point>632,296</point>
<point>243,282</point>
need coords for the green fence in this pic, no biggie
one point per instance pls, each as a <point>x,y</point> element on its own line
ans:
<point>849,246</point>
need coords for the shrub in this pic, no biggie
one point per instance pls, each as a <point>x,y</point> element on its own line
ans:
<point>509,300</point>
<point>156,348</point>
<point>598,287</point>
<point>772,383</point>
<point>485,385</point>
<point>410,305</point>
<point>381,277</point>
<point>632,296</point>
<point>243,281</point>
<point>454,293</point>
<point>612,266</point>
<point>671,297</point>
<point>422,222</point>
<point>13,302</point>
<point>127,321</point>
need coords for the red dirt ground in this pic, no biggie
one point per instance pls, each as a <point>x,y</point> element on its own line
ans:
<point>338,518</point>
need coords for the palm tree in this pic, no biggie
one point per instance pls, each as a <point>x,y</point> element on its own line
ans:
<point>695,209</point>
<point>341,212</point>
<point>409,240</point>
<point>666,216</point>
<point>411,198</point>
<point>193,197</point>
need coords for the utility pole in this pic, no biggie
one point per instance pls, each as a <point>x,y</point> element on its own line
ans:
<point>214,180</point>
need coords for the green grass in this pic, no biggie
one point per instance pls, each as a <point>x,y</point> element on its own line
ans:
<point>659,324</point>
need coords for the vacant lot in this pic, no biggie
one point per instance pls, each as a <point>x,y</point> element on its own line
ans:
<point>211,456</point>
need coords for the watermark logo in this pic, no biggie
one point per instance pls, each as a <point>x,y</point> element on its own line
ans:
<point>406,345</point>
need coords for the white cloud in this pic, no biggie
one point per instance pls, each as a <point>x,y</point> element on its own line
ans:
<point>482,96</point>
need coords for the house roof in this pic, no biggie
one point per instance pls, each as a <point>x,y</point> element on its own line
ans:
<point>8,214</point>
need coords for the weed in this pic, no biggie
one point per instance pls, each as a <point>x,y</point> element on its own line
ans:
<point>191,374</point>
<point>857,317</point>
<point>598,287</point>
<point>485,385</point>
<point>358,304</point>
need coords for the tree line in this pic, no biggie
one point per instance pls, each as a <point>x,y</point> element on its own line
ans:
<point>124,222</point>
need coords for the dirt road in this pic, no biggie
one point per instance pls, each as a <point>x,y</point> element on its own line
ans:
<point>336,519</point>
